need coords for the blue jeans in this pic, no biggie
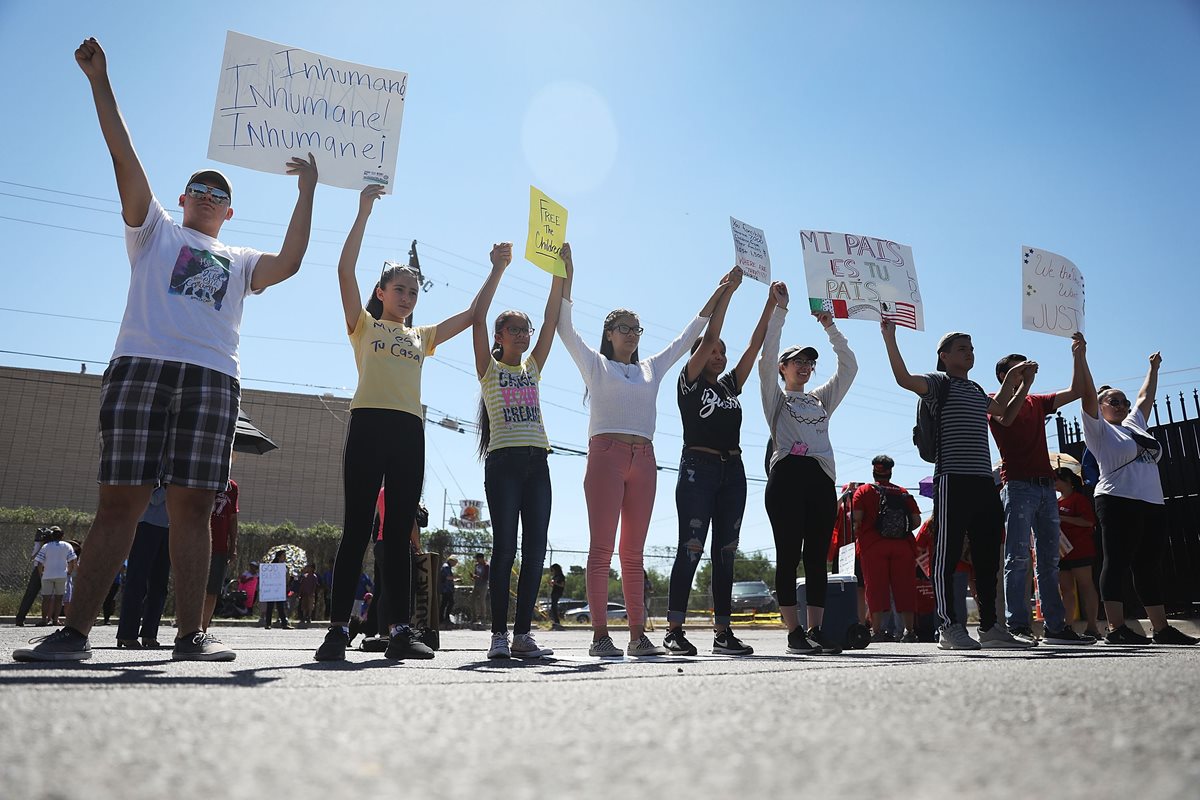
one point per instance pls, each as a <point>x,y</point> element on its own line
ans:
<point>1029,505</point>
<point>517,483</point>
<point>710,488</point>
<point>146,575</point>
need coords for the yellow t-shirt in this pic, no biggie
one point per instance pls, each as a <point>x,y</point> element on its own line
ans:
<point>514,408</point>
<point>389,357</point>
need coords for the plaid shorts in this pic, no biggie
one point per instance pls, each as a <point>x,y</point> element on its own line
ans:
<point>166,421</point>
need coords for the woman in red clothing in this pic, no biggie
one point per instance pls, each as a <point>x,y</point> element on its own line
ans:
<point>1078,525</point>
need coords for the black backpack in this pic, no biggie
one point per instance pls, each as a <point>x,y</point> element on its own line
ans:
<point>892,522</point>
<point>927,431</point>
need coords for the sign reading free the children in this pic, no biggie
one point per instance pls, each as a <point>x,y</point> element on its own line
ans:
<point>275,102</point>
<point>1052,293</point>
<point>862,277</point>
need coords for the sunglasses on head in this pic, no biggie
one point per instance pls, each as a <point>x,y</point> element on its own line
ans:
<point>198,190</point>
<point>626,329</point>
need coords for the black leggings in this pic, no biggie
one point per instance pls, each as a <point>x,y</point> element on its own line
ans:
<point>802,505</point>
<point>1134,534</point>
<point>381,446</point>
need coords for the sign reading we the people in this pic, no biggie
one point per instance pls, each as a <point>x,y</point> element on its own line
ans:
<point>862,277</point>
<point>1052,295</point>
<point>547,232</point>
<point>275,102</point>
<point>750,249</point>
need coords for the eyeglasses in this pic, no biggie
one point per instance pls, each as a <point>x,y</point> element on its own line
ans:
<point>199,190</point>
<point>627,329</point>
<point>513,330</point>
<point>1117,402</point>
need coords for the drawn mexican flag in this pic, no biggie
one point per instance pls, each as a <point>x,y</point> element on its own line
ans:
<point>835,307</point>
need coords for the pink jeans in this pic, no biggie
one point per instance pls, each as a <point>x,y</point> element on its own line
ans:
<point>619,484</point>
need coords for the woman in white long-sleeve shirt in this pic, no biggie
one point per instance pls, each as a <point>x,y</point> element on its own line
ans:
<point>622,475</point>
<point>801,500</point>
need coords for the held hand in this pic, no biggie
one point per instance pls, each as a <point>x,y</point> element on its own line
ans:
<point>367,197</point>
<point>732,279</point>
<point>1078,344</point>
<point>501,255</point>
<point>1155,360</point>
<point>305,170</point>
<point>888,329</point>
<point>1029,370</point>
<point>566,257</point>
<point>91,59</point>
<point>824,317</point>
<point>779,293</point>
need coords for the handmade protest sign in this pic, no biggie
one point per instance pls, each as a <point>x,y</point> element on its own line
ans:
<point>846,559</point>
<point>750,250</point>
<point>275,102</point>
<point>547,232</point>
<point>1052,293</point>
<point>272,583</point>
<point>862,277</point>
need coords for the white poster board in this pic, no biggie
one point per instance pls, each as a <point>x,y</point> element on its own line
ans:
<point>750,251</point>
<point>846,559</point>
<point>1052,295</point>
<point>275,102</point>
<point>272,583</point>
<point>862,277</point>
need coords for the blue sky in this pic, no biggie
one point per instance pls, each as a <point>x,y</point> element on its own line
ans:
<point>962,130</point>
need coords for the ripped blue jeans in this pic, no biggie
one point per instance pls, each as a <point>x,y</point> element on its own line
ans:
<point>711,489</point>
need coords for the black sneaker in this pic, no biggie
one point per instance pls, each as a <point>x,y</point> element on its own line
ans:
<point>726,644</point>
<point>66,644</point>
<point>817,637</point>
<point>798,643</point>
<point>404,644</point>
<point>1067,636</point>
<point>677,644</point>
<point>1170,635</point>
<point>201,646</point>
<point>374,644</point>
<point>1125,636</point>
<point>1024,636</point>
<point>334,646</point>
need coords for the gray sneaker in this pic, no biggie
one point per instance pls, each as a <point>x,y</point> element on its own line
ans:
<point>955,637</point>
<point>997,637</point>
<point>499,648</point>
<point>644,647</point>
<point>65,644</point>
<point>201,646</point>
<point>523,646</point>
<point>604,648</point>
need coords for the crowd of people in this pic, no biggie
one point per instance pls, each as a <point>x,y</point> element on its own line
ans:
<point>170,398</point>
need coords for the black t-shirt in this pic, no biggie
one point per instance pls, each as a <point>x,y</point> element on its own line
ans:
<point>711,412</point>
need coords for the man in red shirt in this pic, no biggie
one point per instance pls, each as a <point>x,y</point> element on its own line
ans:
<point>224,527</point>
<point>1030,503</point>
<point>884,517</point>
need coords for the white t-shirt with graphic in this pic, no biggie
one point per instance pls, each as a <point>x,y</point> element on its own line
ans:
<point>185,295</point>
<point>1127,469</point>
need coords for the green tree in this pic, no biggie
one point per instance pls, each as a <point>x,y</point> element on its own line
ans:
<point>755,567</point>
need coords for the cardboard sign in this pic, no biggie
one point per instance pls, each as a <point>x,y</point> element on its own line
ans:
<point>547,232</point>
<point>750,251</point>
<point>275,102</point>
<point>846,559</point>
<point>1052,295</point>
<point>862,277</point>
<point>272,583</point>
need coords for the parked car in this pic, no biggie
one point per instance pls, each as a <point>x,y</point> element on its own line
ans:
<point>753,596</point>
<point>565,604</point>
<point>583,615</point>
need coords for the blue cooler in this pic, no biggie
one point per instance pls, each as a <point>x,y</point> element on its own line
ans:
<point>840,623</point>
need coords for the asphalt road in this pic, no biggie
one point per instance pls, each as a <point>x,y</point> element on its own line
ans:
<point>890,721</point>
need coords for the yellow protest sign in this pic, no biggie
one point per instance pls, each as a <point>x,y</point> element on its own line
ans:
<point>547,232</point>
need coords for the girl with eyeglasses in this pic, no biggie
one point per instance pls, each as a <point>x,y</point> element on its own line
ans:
<point>1129,500</point>
<point>385,440</point>
<point>622,475</point>
<point>801,499</point>
<point>513,444</point>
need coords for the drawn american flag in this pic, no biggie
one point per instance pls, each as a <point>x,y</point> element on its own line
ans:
<point>900,313</point>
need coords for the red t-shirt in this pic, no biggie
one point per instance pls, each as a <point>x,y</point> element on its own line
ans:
<point>1083,542</point>
<point>225,507</point>
<point>1022,445</point>
<point>867,499</point>
<point>924,543</point>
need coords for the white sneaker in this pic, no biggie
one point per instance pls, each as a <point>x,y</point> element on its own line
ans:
<point>997,637</point>
<point>644,647</point>
<point>604,648</point>
<point>955,637</point>
<point>499,648</point>
<point>523,646</point>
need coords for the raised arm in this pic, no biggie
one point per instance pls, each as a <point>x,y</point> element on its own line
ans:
<point>746,362</point>
<point>351,296</point>
<point>1082,377</point>
<point>1145,398</point>
<point>545,340</point>
<point>132,184</point>
<point>273,268</point>
<point>452,326</point>
<point>1013,391</point>
<point>905,379</point>
<point>768,362</point>
<point>481,334</point>
<point>834,390</point>
<point>712,334</point>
